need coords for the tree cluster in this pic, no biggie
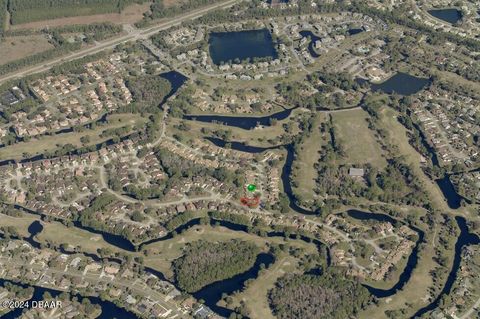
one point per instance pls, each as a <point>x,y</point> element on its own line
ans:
<point>23,11</point>
<point>328,296</point>
<point>204,262</point>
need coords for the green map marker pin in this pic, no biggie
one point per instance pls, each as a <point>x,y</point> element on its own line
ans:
<point>251,187</point>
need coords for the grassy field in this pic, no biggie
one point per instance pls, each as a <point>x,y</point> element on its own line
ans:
<point>18,47</point>
<point>48,143</point>
<point>304,171</point>
<point>399,138</point>
<point>357,139</point>
<point>57,233</point>
<point>131,14</point>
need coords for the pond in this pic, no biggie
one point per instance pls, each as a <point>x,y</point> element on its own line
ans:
<point>454,200</point>
<point>451,15</point>
<point>355,31</point>
<point>245,122</point>
<point>401,83</point>
<point>241,45</point>
<point>176,80</point>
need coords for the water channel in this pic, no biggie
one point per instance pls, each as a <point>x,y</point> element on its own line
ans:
<point>244,122</point>
<point>464,239</point>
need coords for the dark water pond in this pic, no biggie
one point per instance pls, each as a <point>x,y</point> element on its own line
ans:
<point>448,191</point>
<point>464,239</point>
<point>241,45</point>
<point>35,228</point>
<point>244,122</point>
<point>355,31</point>
<point>176,80</point>
<point>448,15</point>
<point>401,83</point>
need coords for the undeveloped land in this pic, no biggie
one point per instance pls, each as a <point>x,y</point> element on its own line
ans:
<point>14,48</point>
<point>131,14</point>
<point>171,3</point>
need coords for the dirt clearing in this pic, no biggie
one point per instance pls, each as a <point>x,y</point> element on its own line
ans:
<point>14,48</point>
<point>130,15</point>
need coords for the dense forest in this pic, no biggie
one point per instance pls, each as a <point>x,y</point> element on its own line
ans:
<point>93,31</point>
<point>205,262</point>
<point>159,10</point>
<point>149,90</point>
<point>23,11</point>
<point>328,296</point>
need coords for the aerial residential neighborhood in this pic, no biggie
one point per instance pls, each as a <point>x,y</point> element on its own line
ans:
<point>239,159</point>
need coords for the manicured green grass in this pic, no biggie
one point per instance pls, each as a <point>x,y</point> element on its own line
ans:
<point>357,139</point>
<point>304,171</point>
<point>256,294</point>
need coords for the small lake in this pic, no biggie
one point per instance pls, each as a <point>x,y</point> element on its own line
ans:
<point>448,15</point>
<point>212,293</point>
<point>176,80</point>
<point>401,83</point>
<point>245,122</point>
<point>241,45</point>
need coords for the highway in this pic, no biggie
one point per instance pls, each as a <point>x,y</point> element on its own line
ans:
<point>133,34</point>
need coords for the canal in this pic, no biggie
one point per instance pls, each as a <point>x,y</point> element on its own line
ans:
<point>464,239</point>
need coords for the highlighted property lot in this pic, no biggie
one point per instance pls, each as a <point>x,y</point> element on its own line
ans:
<point>250,202</point>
